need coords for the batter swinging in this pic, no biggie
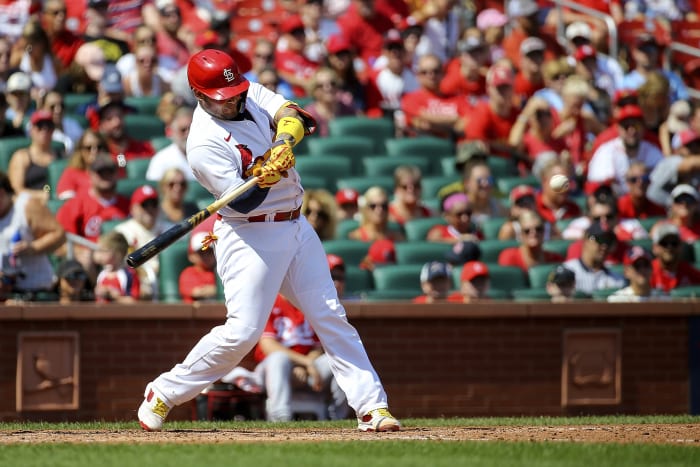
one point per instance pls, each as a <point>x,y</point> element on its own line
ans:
<point>264,246</point>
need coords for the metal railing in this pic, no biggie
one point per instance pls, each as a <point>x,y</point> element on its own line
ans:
<point>613,46</point>
<point>73,239</point>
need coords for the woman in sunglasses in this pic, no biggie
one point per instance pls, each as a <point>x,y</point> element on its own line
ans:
<point>374,218</point>
<point>530,251</point>
<point>684,213</point>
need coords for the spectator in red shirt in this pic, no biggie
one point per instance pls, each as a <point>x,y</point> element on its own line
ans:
<point>532,132</point>
<point>64,43</point>
<point>460,227</point>
<point>291,63</point>
<point>76,178</point>
<point>198,281</point>
<point>669,270</point>
<point>435,282</point>
<point>364,27</point>
<point>530,252</point>
<point>529,78</point>
<point>634,204</point>
<point>464,75</point>
<point>427,110</point>
<point>491,120</point>
<point>522,200</point>
<point>684,213</point>
<point>555,205</point>
<point>407,203</point>
<point>526,18</point>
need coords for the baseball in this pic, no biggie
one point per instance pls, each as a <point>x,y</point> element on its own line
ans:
<point>559,183</point>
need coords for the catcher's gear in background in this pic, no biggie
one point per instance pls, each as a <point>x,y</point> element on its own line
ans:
<point>215,74</point>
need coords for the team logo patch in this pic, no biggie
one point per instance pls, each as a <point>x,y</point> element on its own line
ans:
<point>246,155</point>
<point>229,75</point>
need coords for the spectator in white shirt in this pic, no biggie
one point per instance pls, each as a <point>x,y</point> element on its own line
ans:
<point>638,272</point>
<point>173,155</point>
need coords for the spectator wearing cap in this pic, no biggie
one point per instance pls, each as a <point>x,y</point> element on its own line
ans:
<point>142,227</point>
<point>352,83</point>
<point>387,84</point>
<point>110,90</point>
<point>364,26</point>
<point>380,253</point>
<point>407,203</point>
<point>561,284</point>
<point>464,75</point>
<point>463,252</point>
<point>684,212</point>
<point>119,143</point>
<point>474,283</point>
<point>64,42</point>
<point>460,226</point>
<point>320,210</point>
<point>678,120</point>
<point>374,218</point>
<point>492,22</point>
<point>73,283</point>
<point>555,205</point>
<point>523,199</point>
<point>435,282</point>
<point>292,65</point>
<point>338,271</point>
<point>427,110</point>
<point>669,269</point>
<point>325,106</point>
<point>645,54</point>
<point>346,200</point>
<point>638,272</point>
<point>635,204</point>
<point>580,33</point>
<point>29,167</point>
<point>197,282</point>
<point>492,119</point>
<point>683,167</point>
<point>589,267</point>
<point>529,78</point>
<point>19,100</point>
<point>531,250</point>
<point>612,159</point>
<point>526,19</point>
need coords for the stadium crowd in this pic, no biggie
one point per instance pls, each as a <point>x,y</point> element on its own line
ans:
<point>469,110</point>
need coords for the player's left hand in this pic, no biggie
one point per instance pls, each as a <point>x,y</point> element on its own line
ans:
<point>281,156</point>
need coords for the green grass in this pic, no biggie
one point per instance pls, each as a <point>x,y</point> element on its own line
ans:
<point>375,450</point>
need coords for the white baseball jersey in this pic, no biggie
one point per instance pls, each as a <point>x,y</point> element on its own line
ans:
<point>611,162</point>
<point>220,151</point>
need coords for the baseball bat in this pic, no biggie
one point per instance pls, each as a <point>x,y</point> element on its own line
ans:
<point>167,238</point>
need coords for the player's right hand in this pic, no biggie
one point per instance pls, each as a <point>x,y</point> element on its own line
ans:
<point>267,176</point>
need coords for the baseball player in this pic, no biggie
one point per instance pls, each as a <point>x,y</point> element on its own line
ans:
<point>241,129</point>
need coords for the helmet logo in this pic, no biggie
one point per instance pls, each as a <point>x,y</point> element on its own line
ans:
<point>228,75</point>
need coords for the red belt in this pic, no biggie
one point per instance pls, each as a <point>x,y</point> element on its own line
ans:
<point>279,216</point>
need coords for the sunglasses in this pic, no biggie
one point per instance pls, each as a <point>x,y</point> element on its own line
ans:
<point>150,204</point>
<point>671,243</point>
<point>91,147</point>
<point>638,179</point>
<point>525,201</point>
<point>603,240</point>
<point>180,184</point>
<point>466,212</point>
<point>45,126</point>
<point>539,230</point>
<point>104,173</point>
<point>406,186</point>
<point>384,206</point>
<point>265,57</point>
<point>485,181</point>
<point>56,12</point>
<point>430,71</point>
<point>641,264</point>
<point>606,217</point>
<point>75,276</point>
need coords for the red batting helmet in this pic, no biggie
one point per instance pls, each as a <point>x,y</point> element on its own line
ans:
<point>215,74</point>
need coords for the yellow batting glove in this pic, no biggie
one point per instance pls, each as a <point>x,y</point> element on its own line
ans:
<point>281,156</point>
<point>267,176</point>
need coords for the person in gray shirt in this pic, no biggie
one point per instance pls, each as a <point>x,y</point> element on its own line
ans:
<point>681,167</point>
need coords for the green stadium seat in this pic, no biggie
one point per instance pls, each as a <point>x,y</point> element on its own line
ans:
<point>314,182</point>
<point>8,146</point>
<point>506,278</point>
<point>433,204</point>
<point>420,252</point>
<point>491,226</point>
<point>55,204</point>
<point>649,222</point>
<point>357,280</point>
<point>398,277</point>
<point>55,170</point>
<point>172,262</point>
<point>361,184</point>
<point>419,146</point>
<point>344,227</point>
<point>143,127</point>
<point>160,142</point>
<point>558,245</point>
<point>137,168</point>
<point>352,251</point>
<point>349,146</point>
<point>686,291</point>
<point>196,192</point>
<point>530,294</point>
<point>72,101</point>
<point>538,275</point>
<point>506,184</point>
<point>331,168</point>
<point>433,184</point>
<point>490,249</point>
<point>498,294</point>
<point>126,186</point>
<point>447,166</point>
<point>502,167</point>
<point>376,130</point>
<point>108,226</point>
<point>390,295</point>
<point>562,224</point>
<point>385,166</point>
<point>144,105</point>
<point>603,294</point>
<point>417,229</point>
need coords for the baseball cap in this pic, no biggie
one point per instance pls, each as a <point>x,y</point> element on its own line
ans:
<point>291,24</point>
<point>92,58</point>
<point>393,37</point>
<point>143,193</point>
<point>111,81</point>
<point>561,276</point>
<point>206,39</point>
<point>598,189</point>
<point>382,252</point>
<point>626,95</point>
<point>196,241</point>
<point>684,138</point>
<point>635,253</point>
<point>473,269</point>
<point>103,161</point>
<point>69,268</point>
<point>684,189</point>
<point>521,191</point>
<point>97,3</point>
<point>600,231</point>
<point>532,44</point>
<point>678,115</point>
<point>520,8</point>
<point>41,116</point>
<point>664,230</point>
<point>467,151</point>
<point>630,111</point>
<point>435,270</point>
<point>584,52</point>
<point>470,44</point>
<point>490,18</point>
<point>335,261</point>
<point>578,29</point>
<point>453,199</point>
<point>500,75</point>
<point>347,196</point>
<point>19,81</point>
<point>463,252</point>
<point>338,43</point>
